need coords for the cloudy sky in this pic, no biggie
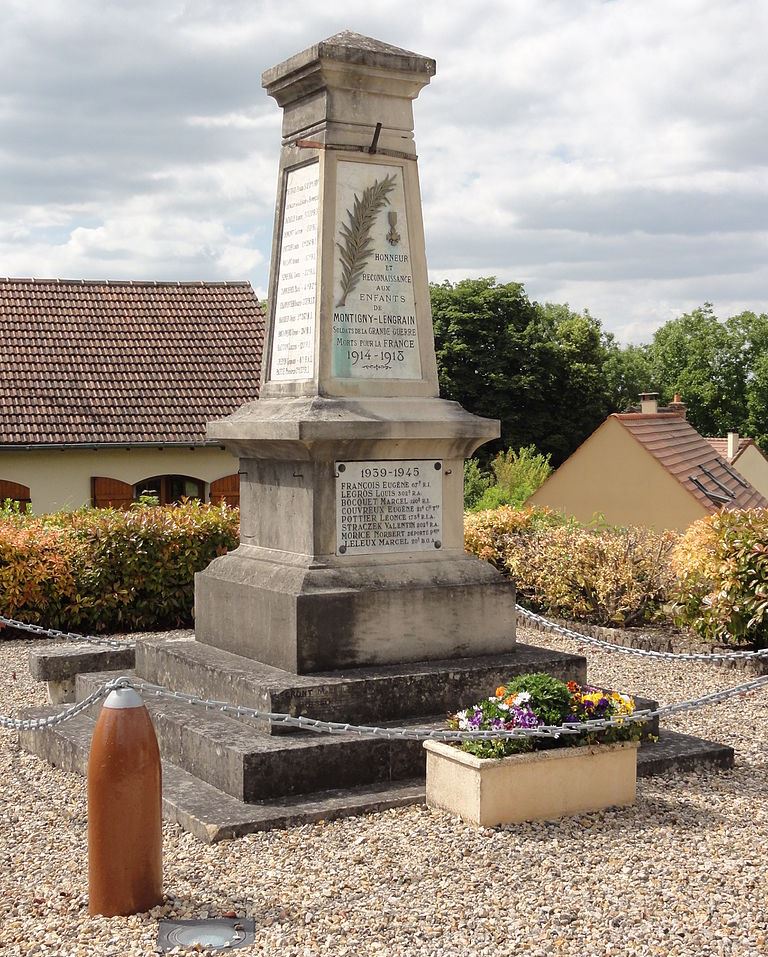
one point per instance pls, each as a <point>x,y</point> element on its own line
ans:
<point>612,154</point>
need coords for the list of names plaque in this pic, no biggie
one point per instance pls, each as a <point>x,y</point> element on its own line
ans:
<point>293,327</point>
<point>374,308</point>
<point>389,506</point>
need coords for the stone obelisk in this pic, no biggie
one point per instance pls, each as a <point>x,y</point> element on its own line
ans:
<point>352,548</point>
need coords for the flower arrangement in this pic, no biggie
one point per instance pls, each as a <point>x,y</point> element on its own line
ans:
<point>530,701</point>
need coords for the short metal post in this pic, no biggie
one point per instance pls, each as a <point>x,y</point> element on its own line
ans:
<point>125,861</point>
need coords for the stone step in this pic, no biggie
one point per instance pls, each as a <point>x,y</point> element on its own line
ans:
<point>211,815</point>
<point>208,813</point>
<point>354,695</point>
<point>252,765</point>
<point>59,665</point>
<point>681,752</point>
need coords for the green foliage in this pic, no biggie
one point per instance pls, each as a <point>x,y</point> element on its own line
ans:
<point>722,577</point>
<point>476,481</point>
<point>518,475</point>
<point>550,698</point>
<point>514,477</point>
<point>628,372</point>
<point>701,358</point>
<point>719,368</point>
<point>105,570</point>
<point>539,369</point>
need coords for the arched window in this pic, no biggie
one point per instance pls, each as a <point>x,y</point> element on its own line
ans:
<point>110,493</point>
<point>226,490</point>
<point>170,488</point>
<point>15,492</point>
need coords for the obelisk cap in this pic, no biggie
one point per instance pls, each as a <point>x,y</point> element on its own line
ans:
<point>123,698</point>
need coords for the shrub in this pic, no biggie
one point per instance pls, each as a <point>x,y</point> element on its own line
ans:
<point>607,576</point>
<point>601,574</point>
<point>515,476</point>
<point>722,577</point>
<point>476,481</point>
<point>106,570</point>
<point>487,533</point>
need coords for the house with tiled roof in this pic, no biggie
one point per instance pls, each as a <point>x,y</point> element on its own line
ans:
<point>650,468</point>
<point>746,457</point>
<point>106,388</point>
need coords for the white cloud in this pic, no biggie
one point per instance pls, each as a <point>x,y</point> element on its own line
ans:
<point>609,154</point>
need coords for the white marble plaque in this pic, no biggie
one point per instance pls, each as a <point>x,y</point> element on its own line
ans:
<point>389,506</point>
<point>374,315</point>
<point>293,327</point>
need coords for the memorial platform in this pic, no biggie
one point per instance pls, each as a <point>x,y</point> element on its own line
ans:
<point>225,776</point>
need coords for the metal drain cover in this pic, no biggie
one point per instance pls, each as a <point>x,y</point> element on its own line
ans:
<point>220,933</point>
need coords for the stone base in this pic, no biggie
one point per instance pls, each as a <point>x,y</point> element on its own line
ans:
<point>225,776</point>
<point>308,619</point>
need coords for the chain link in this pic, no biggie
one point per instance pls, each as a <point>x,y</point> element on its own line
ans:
<point>67,635</point>
<point>545,623</point>
<point>418,734</point>
<point>637,652</point>
<point>37,724</point>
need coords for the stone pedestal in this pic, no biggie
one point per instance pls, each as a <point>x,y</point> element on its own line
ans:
<point>351,468</point>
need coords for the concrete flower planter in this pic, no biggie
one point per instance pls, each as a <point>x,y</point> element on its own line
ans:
<point>537,786</point>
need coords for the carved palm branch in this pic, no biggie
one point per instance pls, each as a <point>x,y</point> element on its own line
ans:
<point>357,245</point>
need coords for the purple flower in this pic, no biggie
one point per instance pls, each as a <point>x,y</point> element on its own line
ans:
<point>523,717</point>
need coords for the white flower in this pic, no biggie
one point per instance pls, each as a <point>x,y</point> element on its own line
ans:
<point>503,707</point>
<point>522,698</point>
<point>493,700</point>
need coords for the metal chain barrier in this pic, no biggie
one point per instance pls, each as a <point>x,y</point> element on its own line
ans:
<point>530,615</point>
<point>638,652</point>
<point>67,635</point>
<point>36,724</point>
<point>337,727</point>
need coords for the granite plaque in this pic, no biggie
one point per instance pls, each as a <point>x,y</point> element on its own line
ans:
<point>389,506</point>
<point>374,314</point>
<point>293,327</point>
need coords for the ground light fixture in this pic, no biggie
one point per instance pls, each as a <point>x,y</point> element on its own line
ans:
<point>218,933</point>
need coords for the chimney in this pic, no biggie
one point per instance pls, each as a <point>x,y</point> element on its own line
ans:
<point>677,405</point>
<point>733,445</point>
<point>649,403</point>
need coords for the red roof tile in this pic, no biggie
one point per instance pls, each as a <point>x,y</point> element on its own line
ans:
<point>130,363</point>
<point>692,460</point>
<point>721,446</point>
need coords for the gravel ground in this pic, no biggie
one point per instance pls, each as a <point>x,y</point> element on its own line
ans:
<point>684,872</point>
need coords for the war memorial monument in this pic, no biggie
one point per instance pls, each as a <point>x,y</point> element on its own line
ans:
<point>350,597</point>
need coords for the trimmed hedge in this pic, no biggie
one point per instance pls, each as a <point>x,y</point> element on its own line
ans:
<point>721,564</point>
<point>104,570</point>
<point>600,574</point>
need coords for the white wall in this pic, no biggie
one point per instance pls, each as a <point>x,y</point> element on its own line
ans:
<point>62,479</point>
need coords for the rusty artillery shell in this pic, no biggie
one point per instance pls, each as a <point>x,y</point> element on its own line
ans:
<point>125,859</point>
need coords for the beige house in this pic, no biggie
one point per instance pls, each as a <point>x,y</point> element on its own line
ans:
<point>647,468</point>
<point>106,387</point>
<point>745,457</point>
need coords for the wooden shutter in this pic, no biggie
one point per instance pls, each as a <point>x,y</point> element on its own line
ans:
<point>226,490</point>
<point>14,491</point>
<point>110,493</point>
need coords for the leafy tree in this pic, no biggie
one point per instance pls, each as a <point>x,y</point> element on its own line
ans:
<point>704,360</point>
<point>539,369</point>
<point>751,334</point>
<point>628,372</point>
